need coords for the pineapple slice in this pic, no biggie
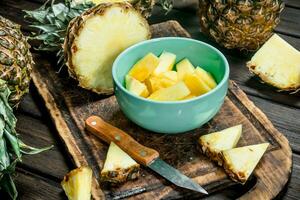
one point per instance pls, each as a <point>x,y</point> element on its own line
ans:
<point>119,166</point>
<point>78,184</point>
<point>171,75</point>
<point>166,63</point>
<point>173,93</point>
<point>277,63</point>
<point>196,85</point>
<point>240,162</point>
<point>156,83</point>
<point>144,67</point>
<point>184,67</point>
<point>212,144</point>
<point>94,39</point>
<point>136,87</point>
<point>206,77</point>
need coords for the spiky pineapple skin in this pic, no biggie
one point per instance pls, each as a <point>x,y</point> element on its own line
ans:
<point>15,60</point>
<point>239,24</point>
<point>73,31</point>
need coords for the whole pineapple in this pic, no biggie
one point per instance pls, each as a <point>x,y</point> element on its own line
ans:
<point>239,24</point>
<point>15,60</point>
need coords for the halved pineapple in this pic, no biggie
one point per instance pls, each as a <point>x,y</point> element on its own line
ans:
<point>144,67</point>
<point>212,144</point>
<point>277,63</point>
<point>184,67</point>
<point>78,184</point>
<point>206,77</point>
<point>97,37</point>
<point>166,63</point>
<point>119,166</point>
<point>195,84</point>
<point>173,93</point>
<point>240,162</point>
<point>156,83</point>
<point>136,87</point>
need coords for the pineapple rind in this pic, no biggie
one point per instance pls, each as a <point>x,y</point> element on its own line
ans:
<point>212,144</point>
<point>246,159</point>
<point>278,64</point>
<point>77,184</point>
<point>119,167</point>
<point>74,43</point>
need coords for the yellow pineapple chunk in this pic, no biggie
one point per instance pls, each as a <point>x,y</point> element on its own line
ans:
<point>173,93</point>
<point>184,67</point>
<point>166,63</point>
<point>171,75</point>
<point>78,184</point>
<point>206,77</point>
<point>119,166</point>
<point>277,63</point>
<point>144,67</point>
<point>240,162</point>
<point>136,87</point>
<point>155,83</point>
<point>212,144</point>
<point>189,97</point>
<point>196,85</point>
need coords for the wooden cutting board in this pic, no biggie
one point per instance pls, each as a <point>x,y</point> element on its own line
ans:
<point>70,105</point>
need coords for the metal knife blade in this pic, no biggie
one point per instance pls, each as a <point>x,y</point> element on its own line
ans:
<point>141,154</point>
<point>174,176</point>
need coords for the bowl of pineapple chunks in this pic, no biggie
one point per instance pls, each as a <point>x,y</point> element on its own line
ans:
<point>170,85</point>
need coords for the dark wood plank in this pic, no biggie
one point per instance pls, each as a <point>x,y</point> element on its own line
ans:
<point>52,163</point>
<point>293,3</point>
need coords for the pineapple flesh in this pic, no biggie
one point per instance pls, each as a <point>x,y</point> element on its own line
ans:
<point>206,76</point>
<point>196,85</point>
<point>214,143</point>
<point>136,87</point>
<point>96,38</point>
<point>277,63</point>
<point>119,166</point>
<point>239,163</point>
<point>78,184</point>
<point>240,24</point>
<point>184,67</point>
<point>166,63</point>
<point>15,60</point>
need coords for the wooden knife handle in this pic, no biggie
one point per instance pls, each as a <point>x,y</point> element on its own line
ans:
<point>109,133</point>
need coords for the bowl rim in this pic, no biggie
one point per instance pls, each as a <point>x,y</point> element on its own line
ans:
<point>222,82</point>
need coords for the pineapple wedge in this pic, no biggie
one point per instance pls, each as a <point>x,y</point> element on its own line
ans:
<point>277,63</point>
<point>195,84</point>
<point>78,184</point>
<point>240,162</point>
<point>156,83</point>
<point>144,67</point>
<point>136,87</point>
<point>212,144</point>
<point>166,63</point>
<point>184,67</point>
<point>206,77</point>
<point>173,93</point>
<point>171,75</point>
<point>119,166</point>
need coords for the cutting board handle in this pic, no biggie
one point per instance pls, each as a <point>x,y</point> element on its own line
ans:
<point>109,133</point>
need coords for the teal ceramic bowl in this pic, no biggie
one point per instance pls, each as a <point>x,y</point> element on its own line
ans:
<point>179,116</point>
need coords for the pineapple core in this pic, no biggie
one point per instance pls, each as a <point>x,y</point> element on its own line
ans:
<point>277,63</point>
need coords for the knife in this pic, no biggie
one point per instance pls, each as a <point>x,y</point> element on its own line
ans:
<point>143,155</point>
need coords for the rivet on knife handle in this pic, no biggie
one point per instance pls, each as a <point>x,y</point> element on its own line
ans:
<point>109,133</point>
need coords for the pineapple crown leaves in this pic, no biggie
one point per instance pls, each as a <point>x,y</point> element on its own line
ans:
<point>52,22</point>
<point>11,147</point>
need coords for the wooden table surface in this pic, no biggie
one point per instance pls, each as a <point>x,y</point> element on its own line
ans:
<point>39,176</point>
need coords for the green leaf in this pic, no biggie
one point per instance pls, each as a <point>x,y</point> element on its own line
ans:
<point>9,186</point>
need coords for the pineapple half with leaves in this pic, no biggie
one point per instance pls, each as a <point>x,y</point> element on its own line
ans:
<point>96,38</point>
<point>15,60</point>
<point>239,24</point>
